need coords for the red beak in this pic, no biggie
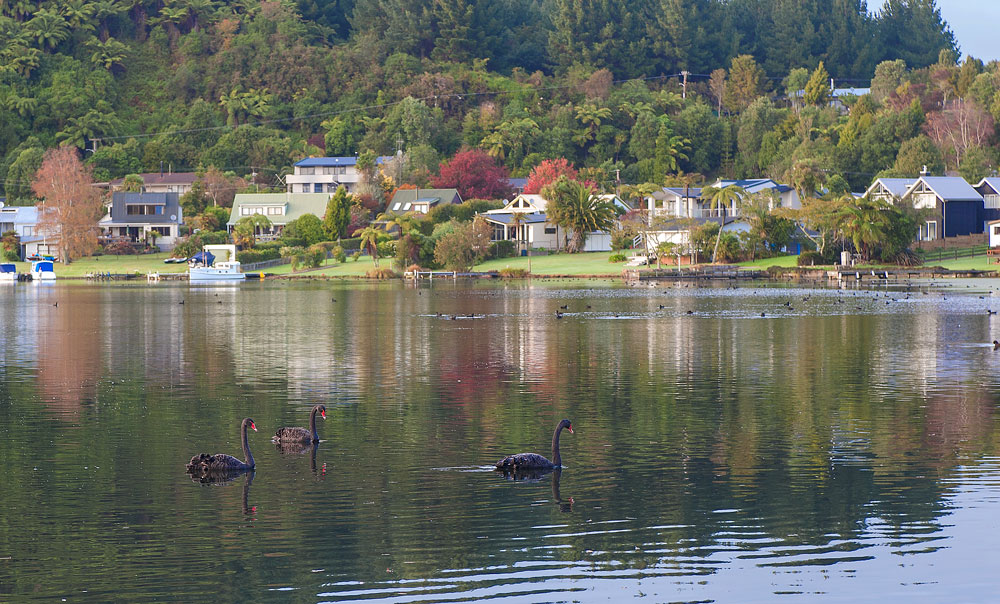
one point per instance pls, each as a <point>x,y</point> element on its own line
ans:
<point>254,426</point>
<point>323,413</point>
<point>570,428</point>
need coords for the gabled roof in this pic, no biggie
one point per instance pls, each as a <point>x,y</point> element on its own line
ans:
<point>992,182</point>
<point>430,196</point>
<point>753,185</point>
<point>171,211</point>
<point>336,161</point>
<point>295,204</point>
<point>896,187</point>
<point>692,192</point>
<point>948,188</point>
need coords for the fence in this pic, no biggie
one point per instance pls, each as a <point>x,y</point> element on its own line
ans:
<point>954,253</point>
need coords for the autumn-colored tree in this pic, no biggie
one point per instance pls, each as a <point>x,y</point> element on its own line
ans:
<point>960,126</point>
<point>548,172</point>
<point>475,174</point>
<point>70,206</point>
<point>221,187</point>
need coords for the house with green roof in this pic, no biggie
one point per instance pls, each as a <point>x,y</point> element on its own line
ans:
<point>279,208</point>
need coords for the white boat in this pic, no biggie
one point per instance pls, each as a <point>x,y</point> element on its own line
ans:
<point>203,267</point>
<point>43,270</point>
<point>8,272</point>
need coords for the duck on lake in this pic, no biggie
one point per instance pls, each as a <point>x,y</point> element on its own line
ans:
<point>533,461</point>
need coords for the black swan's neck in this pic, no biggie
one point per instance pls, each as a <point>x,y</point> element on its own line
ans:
<point>312,423</point>
<point>246,447</point>
<point>556,459</point>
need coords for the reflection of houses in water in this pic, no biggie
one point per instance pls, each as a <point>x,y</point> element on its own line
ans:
<point>162,335</point>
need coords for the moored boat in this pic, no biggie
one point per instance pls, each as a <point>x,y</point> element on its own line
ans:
<point>8,272</point>
<point>43,270</point>
<point>203,267</point>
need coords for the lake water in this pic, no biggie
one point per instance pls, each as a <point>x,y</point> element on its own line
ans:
<point>728,447</point>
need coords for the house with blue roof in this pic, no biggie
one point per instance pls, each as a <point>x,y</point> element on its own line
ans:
<point>785,195</point>
<point>325,174</point>
<point>889,190</point>
<point>956,207</point>
<point>23,220</point>
<point>536,231</point>
<point>989,188</point>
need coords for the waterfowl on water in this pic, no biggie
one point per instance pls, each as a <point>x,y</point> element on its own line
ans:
<point>301,435</point>
<point>529,461</point>
<point>204,463</point>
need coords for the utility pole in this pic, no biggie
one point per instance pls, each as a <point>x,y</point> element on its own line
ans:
<point>684,84</point>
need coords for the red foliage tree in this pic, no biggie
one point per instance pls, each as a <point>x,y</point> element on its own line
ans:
<point>548,172</point>
<point>475,174</point>
<point>70,206</point>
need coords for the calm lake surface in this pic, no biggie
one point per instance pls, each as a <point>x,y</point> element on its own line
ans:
<point>842,448</point>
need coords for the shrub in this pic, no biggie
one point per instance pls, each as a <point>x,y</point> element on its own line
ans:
<point>810,259</point>
<point>513,273</point>
<point>338,254</point>
<point>120,248</point>
<point>386,249</point>
<point>351,244</point>
<point>382,273</point>
<point>617,258</point>
<point>502,249</point>
<point>258,255</point>
<point>356,255</point>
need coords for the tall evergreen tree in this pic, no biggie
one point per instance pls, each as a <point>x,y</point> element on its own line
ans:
<point>914,31</point>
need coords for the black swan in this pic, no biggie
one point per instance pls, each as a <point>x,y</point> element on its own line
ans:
<point>526,461</point>
<point>996,345</point>
<point>301,435</point>
<point>220,462</point>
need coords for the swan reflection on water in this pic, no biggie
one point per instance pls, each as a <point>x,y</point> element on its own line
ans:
<point>536,475</point>
<point>223,478</point>
<point>300,448</point>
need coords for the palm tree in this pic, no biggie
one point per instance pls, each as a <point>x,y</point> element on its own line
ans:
<point>78,13</point>
<point>572,204</point>
<point>719,198</point>
<point>107,54</point>
<point>590,116</point>
<point>369,242</point>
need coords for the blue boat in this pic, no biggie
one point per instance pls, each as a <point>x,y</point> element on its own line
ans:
<point>8,272</point>
<point>43,270</point>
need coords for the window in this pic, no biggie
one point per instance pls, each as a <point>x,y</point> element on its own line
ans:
<point>992,201</point>
<point>996,230</point>
<point>550,230</point>
<point>143,210</point>
<point>928,231</point>
<point>406,206</point>
<point>274,211</point>
<point>307,171</point>
<point>27,231</point>
<point>396,206</point>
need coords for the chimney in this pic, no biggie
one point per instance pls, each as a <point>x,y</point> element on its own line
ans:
<point>161,169</point>
<point>923,172</point>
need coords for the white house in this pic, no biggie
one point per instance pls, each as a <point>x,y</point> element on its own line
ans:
<point>325,174</point>
<point>535,230</point>
<point>889,189</point>
<point>23,220</point>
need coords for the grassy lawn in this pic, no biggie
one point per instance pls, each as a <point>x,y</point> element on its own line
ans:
<point>585,263</point>
<point>978,263</point>
<point>146,263</point>
<point>332,269</point>
<point>782,261</point>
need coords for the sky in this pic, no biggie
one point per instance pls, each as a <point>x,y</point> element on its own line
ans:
<point>974,23</point>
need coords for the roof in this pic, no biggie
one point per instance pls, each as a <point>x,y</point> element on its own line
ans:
<point>19,214</point>
<point>948,188</point>
<point>171,209</point>
<point>896,187</point>
<point>431,196</point>
<point>692,192</point>
<point>529,218</point>
<point>157,178</point>
<point>753,185</point>
<point>517,183</point>
<point>296,205</point>
<point>336,161</point>
<point>992,181</point>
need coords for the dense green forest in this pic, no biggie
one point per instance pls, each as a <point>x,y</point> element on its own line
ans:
<point>250,87</point>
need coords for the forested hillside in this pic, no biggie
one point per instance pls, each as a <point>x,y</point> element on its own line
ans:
<point>250,87</point>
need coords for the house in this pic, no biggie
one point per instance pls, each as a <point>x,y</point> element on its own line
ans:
<point>679,231</point>
<point>517,184</point>
<point>889,190</point>
<point>23,220</point>
<point>989,188</point>
<point>160,182</point>
<point>325,174</point>
<point>535,230</point>
<point>675,202</point>
<point>957,207</point>
<point>280,209</point>
<point>993,228</point>
<point>787,197</point>
<point>421,201</point>
<point>135,216</point>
